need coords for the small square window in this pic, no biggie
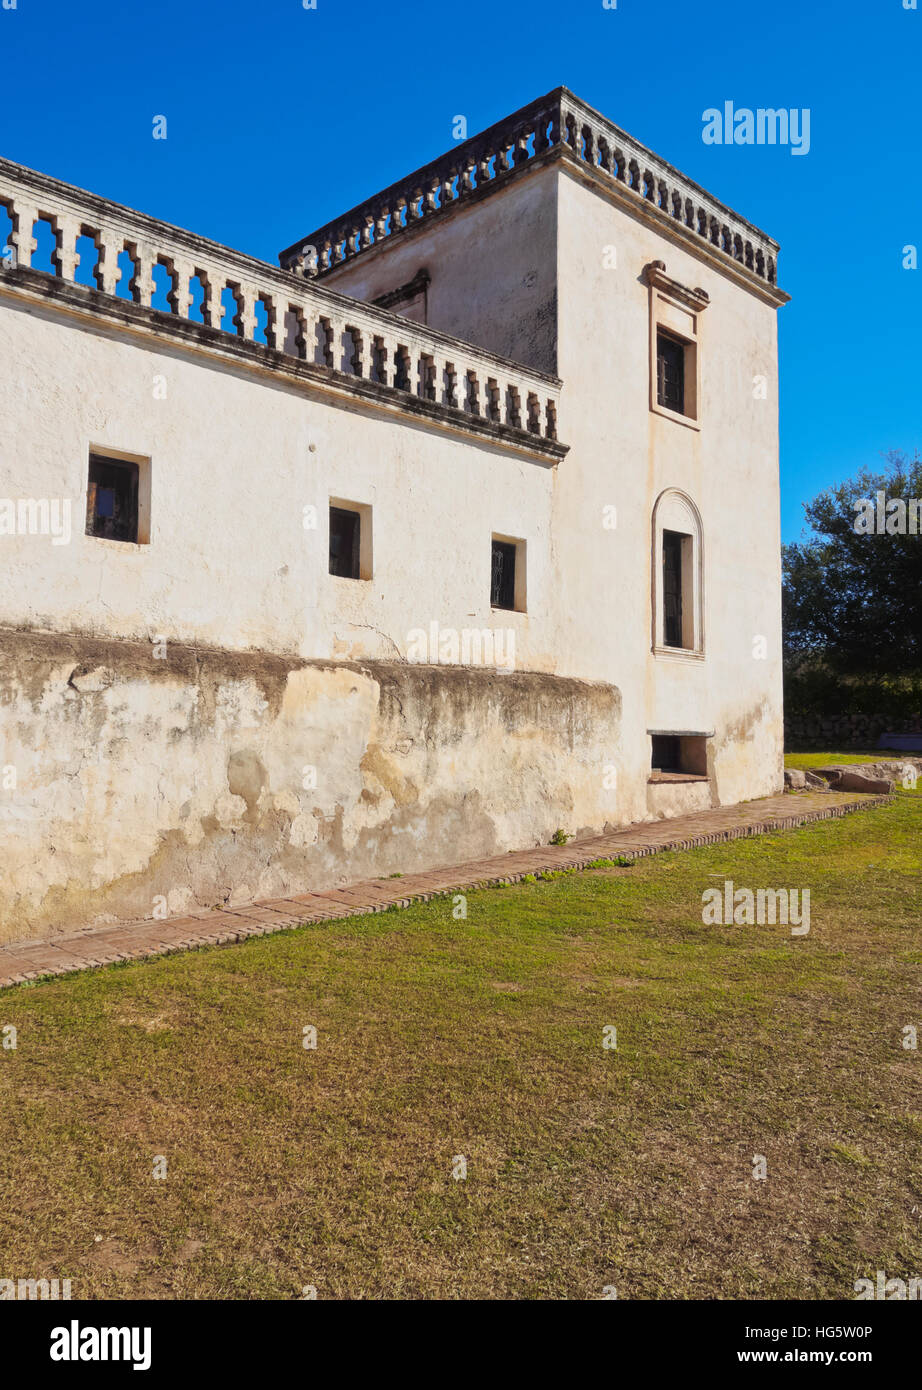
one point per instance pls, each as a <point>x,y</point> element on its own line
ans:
<point>679,755</point>
<point>345,542</point>
<point>112,499</point>
<point>670,373</point>
<point>502,575</point>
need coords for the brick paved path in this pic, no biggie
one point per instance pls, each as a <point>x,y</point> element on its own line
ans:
<point>78,950</point>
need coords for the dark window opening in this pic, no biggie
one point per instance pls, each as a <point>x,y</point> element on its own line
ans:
<point>680,755</point>
<point>345,536</point>
<point>670,373</point>
<point>502,575</point>
<point>667,756</point>
<point>672,588</point>
<point>112,499</point>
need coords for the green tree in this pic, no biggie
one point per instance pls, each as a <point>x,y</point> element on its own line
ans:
<point>852,602</point>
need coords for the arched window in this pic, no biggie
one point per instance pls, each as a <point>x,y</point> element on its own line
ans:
<point>678,576</point>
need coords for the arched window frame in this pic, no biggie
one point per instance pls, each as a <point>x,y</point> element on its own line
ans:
<point>675,511</point>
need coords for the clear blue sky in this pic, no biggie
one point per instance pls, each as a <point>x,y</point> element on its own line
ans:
<point>281,117</point>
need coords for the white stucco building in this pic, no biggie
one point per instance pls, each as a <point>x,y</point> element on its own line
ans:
<point>458,528</point>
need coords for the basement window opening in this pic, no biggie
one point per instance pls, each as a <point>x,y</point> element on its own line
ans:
<point>679,757</point>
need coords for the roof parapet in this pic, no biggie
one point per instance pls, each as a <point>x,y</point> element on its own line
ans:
<point>557,125</point>
<point>338,343</point>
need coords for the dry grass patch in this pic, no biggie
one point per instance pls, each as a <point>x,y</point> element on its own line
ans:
<point>483,1037</point>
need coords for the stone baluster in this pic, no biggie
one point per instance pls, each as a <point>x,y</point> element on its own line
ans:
<point>212,287</point>
<point>402,377</point>
<point>108,273</point>
<point>247,295</point>
<point>66,232</point>
<point>25,216</point>
<point>357,360</point>
<point>180,295</point>
<point>276,328</point>
<point>449,394</point>
<point>142,282</point>
<point>428,378</point>
<point>472,403</point>
<point>381,224</point>
<point>379,354</point>
<point>337,327</point>
<point>534,414</point>
<point>465,181</point>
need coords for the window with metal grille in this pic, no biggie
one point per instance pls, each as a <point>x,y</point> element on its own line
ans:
<point>112,499</point>
<point>670,373</point>
<point>502,575</point>
<point>345,536</point>
<point>672,588</point>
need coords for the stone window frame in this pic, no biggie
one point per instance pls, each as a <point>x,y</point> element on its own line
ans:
<point>667,512</point>
<point>675,310</point>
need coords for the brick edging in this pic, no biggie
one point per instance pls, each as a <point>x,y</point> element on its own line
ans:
<point>73,951</point>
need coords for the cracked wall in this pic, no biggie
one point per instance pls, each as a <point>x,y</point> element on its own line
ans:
<point>148,786</point>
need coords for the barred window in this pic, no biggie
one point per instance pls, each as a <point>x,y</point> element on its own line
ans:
<point>672,588</point>
<point>670,373</point>
<point>502,575</point>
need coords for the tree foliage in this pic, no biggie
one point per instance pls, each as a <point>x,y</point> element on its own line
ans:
<point>852,602</point>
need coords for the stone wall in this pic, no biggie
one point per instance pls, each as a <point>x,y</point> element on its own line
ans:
<point>841,730</point>
<point>133,786</point>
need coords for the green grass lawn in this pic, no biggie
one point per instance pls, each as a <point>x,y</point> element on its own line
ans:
<point>808,761</point>
<point>586,1167</point>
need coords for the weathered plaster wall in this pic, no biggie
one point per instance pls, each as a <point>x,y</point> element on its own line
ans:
<point>625,455</point>
<point>235,459</point>
<point>493,268</point>
<point>184,777</point>
<point>192,778</point>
